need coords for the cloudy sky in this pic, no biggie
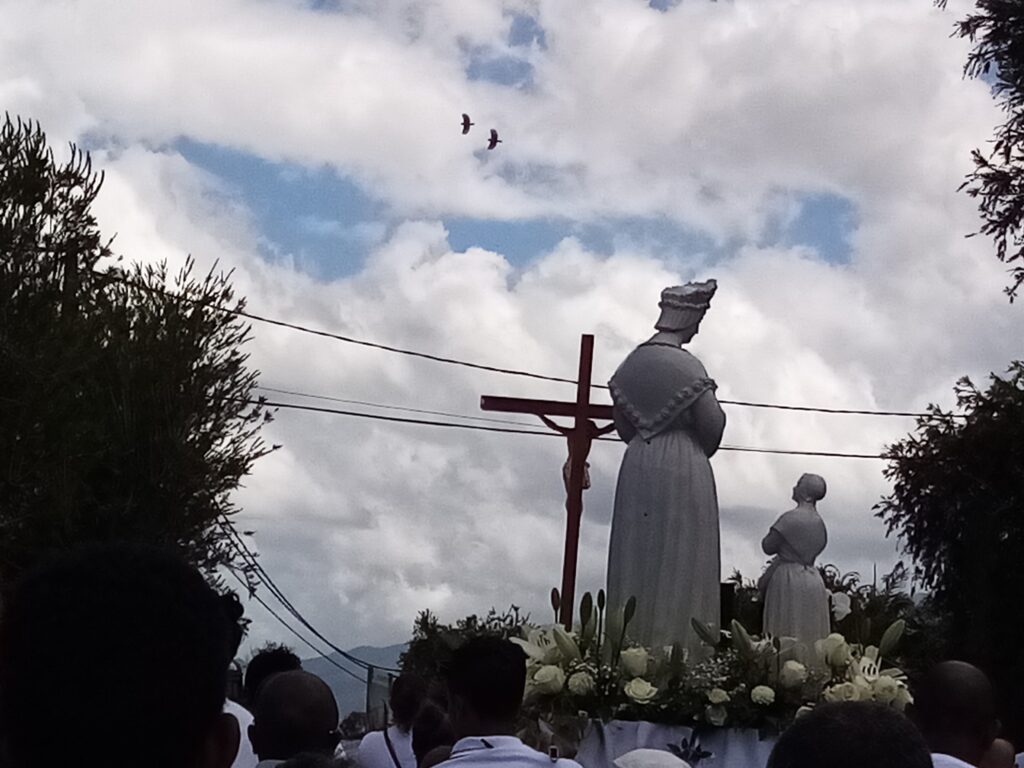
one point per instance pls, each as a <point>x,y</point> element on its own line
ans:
<point>805,153</point>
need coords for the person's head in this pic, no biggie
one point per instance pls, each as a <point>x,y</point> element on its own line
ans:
<point>236,624</point>
<point>851,734</point>
<point>295,712</point>
<point>809,489</point>
<point>1001,754</point>
<point>683,307</point>
<point>954,707</point>
<point>121,651</point>
<point>268,661</point>
<point>486,679</point>
<point>407,694</point>
<point>431,729</point>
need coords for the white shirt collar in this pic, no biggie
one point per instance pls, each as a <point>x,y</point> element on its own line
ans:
<point>474,743</point>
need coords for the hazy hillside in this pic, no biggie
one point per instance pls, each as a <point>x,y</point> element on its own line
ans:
<point>351,693</point>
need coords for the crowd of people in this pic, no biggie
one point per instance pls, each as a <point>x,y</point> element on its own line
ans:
<point>118,656</point>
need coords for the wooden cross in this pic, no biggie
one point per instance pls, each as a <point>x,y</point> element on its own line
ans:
<point>579,436</point>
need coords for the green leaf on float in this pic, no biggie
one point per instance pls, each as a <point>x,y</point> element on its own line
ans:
<point>628,612</point>
<point>891,638</point>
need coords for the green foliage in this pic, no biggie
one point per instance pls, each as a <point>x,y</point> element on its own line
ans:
<point>125,413</point>
<point>957,506</point>
<point>996,31</point>
<point>874,606</point>
<point>433,642</point>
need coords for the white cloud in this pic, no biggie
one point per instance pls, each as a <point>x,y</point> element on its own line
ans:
<point>716,116</point>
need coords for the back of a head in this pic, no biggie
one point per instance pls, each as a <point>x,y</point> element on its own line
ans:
<point>115,650</point>
<point>853,734</point>
<point>488,676</point>
<point>407,694</point>
<point>237,625</point>
<point>954,706</point>
<point>295,712</point>
<point>268,661</point>
<point>430,729</point>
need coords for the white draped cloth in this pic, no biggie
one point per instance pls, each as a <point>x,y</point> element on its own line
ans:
<point>665,537</point>
<point>731,748</point>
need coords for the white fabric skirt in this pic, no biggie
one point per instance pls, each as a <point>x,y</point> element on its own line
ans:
<point>665,540</point>
<point>796,604</point>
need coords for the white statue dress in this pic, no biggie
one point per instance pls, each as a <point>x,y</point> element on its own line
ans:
<point>795,597</point>
<point>665,536</point>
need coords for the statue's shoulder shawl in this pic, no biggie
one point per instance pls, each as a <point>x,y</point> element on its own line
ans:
<point>655,384</point>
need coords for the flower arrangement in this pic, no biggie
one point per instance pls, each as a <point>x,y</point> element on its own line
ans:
<point>738,680</point>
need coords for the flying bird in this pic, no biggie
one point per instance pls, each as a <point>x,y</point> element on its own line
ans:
<point>466,124</point>
<point>495,141</point>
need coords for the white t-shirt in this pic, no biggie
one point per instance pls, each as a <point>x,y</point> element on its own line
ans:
<point>504,751</point>
<point>373,750</point>
<point>939,760</point>
<point>245,757</point>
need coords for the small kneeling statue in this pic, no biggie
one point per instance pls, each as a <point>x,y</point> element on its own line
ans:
<point>795,597</point>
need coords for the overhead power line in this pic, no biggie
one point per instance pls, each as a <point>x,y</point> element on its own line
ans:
<point>547,433</point>
<point>261,574</point>
<point>479,366</point>
<point>255,596</point>
<point>382,406</point>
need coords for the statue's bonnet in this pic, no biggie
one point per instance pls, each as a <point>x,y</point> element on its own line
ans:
<point>683,306</point>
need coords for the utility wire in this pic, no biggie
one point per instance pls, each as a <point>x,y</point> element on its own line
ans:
<point>255,596</point>
<point>392,407</point>
<point>265,578</point>
<point>479,366</point>
<point>548,433</point>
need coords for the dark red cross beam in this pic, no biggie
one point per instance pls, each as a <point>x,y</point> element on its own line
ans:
<point>579,436</point>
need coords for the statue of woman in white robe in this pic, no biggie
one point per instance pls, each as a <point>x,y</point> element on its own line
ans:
<point>795,597</point>
<point>665,537</point>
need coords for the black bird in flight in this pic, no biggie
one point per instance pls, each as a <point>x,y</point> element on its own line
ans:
<point>466,124</point>
<point>495,141</point>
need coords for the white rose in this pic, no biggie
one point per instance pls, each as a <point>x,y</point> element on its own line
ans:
<point>640,691</point>
<point>842,692</point>
<point>634,661</point>
<point>793,674</point>
<point>762,695</point>
<point>581,684</point>
<point>834,650</point>
<point>841,606</point>
<point>716,715</point>
<point>549,680</point>
<point>717,696</point>
<point>885,689</point>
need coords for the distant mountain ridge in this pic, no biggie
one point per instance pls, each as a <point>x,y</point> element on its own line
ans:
<point>349,692</point>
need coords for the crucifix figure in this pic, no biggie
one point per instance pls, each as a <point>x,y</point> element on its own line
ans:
<point>580,436</point>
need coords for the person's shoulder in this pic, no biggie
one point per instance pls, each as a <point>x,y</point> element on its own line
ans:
<point>372,740</point>
<point>242,715</point>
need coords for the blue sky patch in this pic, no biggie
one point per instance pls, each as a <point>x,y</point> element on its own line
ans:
<point>525,30</point>
<point>826,223</point>
<point>501,69</point>
<point>313,215</point>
